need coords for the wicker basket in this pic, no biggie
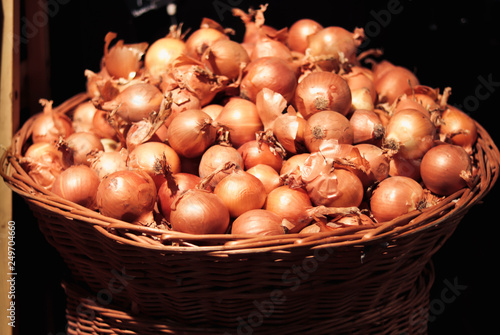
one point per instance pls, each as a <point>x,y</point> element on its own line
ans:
<point>406,314</point>
<point>233,281</point>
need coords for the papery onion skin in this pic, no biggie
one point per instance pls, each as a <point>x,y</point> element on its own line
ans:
<point>101,126</point>
<point>241,191</point>
<point>241,118</point>
<point>325,126</point>
<point>43,162</point>
<point>273,73</point>
<point>191,133</point>
<point>267,175</point>
<point>395,196</point>
<point>410,134</point>
<point>319,91</point>
<point>81,145</point>
<point>78,184</point>
<point>127,195</point>
<point>49,127</point>
<point>201,39</point>
<point>445,169</point>
<point>293,162</point>
<point>378,161</point>
<point>299,32</point>
<point>258,222</point>
<point>199,212</point>
<point>215,157</point>
<point>290,204</point>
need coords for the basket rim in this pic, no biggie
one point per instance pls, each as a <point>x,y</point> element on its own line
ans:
<point>457,204</point>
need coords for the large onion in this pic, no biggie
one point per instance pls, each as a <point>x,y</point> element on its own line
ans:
<point>78,184</point>
<point>326,126</point>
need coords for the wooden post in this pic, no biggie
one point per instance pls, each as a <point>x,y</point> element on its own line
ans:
<point>9,121</point>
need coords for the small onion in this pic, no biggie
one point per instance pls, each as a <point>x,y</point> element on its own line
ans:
<point>226,58</point>
<point>105,163</point>
<point>393,83</point>
<point>128,195</point>
<point>458,128</point>
<point>258,222</point>
<point>161,54</point>
<point>80,146</point>
<point>201,39</point>
<point>149,157</point>
<point>400,166</point>
<point>299,32</point>
<point>241,118</point>
<point>78,184</point>
<point>273,73</point>
<point>267,175</point>
<point>410,134</point>
<point>43,162</point>
<point>49,126</point>
<point>101,126</point>
<point>378,161</point>
<point>215,157</point>
<point>326,126</point>
<point>290,204</point>
<point>292,163</point>
<point>170,190</point>
<point>191,132</point>
<point>445,169</point>
<point>240,192</point>
<point>83,115</point>
<point>319,91</point>
<point>366,126</point>
<point>257,152</point>
<point>394,197</point>
<point>199,212</point>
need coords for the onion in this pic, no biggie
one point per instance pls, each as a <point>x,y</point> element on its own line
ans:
<point>213,110</point>
<point>199,212</point>
<point>254,24</point>
<point>191,132</point>
<point>161,54</point>
<point>201,39</point>
<point>182,100</point>
<point>43,162</point>
<point>127,195</point>
<point>290,204</point>
<point>78,148</point>
<point>319,91</point>
<point>101,126</point>
<point>366,127</point>
<point>170,190</point>
<point>226,58</point>
<point>136,102</point>
<point>215,157</point>
<point>267,47</point>
<point>292,163</point>
<point>240,192</point>
<point>259,152</point>
<point>123,60</point>
<point>267,175</point>
<point>325,126</point>
<point>299,32</point>
<point>445,169</point>
<point>360,78</point>
<point>393,83</point>
<point>258,222</point>
<point>289,130</point>
<point>78,184</point>
<point>83,115</point>
<point>241,118</point>
<point>378,161</point>
<point>394,197</point>
<point>332,46</point>
<point>458,128</point>
<point>270,105</point>
<point>409,102</point>
<point>49,126</point>
<point>273,73</point>
<point>400,166</point>
<point>410,134</point>
<point>105,163</point>
<point>152,157</point>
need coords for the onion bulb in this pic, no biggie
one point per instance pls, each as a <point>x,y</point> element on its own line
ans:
<point>319,91</point>
<point>161,54</point>
<point>83,115</point>
<point>191,132</point>
<point>123,60</point>
<point>170,190</point>
<point>267,175</point>
<point>199,212</point>
<point>78,184</point>
<point>258,222</point>
<point>326,126</point>
<point>43,162</point>
<point>215,157</point>
<point>458,128</point>
<point>445,169</point>
<point>107,162</point>
<point>49,126</point>
<point>78,148</point>
<point>128,195</point>
<point>226,58</point>
<point>299,32</point>
<point>395,196</point>
<point>240,192</point>
<point>259,152</point>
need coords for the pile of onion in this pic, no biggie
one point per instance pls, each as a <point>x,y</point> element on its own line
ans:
<point>286,131</point>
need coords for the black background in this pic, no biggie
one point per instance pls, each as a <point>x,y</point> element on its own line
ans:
<point>446,43</point>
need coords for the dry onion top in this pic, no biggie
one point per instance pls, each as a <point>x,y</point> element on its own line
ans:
<point>289,130</point>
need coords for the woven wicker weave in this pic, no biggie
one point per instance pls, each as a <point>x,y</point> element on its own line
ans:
<point>406,314</point>
<point>228,280</point>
